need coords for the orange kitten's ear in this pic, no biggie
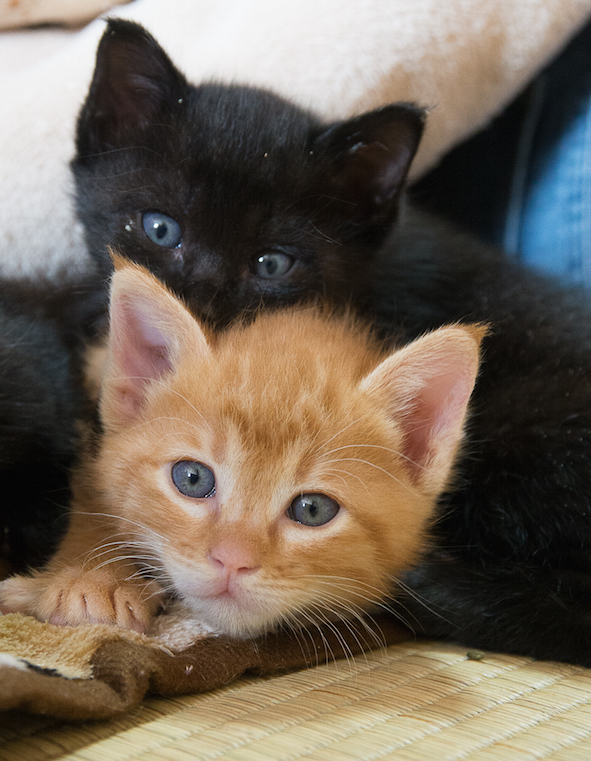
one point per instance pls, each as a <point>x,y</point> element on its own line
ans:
<point>149,331</point>
<point>427,386</point>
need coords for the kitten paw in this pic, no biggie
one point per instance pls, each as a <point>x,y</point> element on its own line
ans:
<point>71,597</point>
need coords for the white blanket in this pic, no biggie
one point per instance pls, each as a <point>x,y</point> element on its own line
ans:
<point>465,59</point>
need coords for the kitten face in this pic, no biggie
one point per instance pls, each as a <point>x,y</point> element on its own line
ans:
<point>231,195</point>
<point>239,557</point>
<point>285,471</point>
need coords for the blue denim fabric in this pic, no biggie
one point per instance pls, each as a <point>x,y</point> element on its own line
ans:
<point>525,182</point>
<point>548,220</point>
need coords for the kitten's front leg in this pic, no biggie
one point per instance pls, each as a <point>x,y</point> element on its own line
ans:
<point>86,582</point>
<point>76,596</point>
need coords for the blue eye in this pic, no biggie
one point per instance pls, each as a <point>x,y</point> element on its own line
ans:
<point>161,229</point>
<point>193,479</point>
<point>273,265</point>
<point>312,509</point>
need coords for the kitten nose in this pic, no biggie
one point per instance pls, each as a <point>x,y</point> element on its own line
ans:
<point>232,559</point>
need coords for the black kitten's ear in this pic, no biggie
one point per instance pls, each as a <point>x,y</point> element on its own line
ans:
<point>369,158</point>
<point>134,82</point>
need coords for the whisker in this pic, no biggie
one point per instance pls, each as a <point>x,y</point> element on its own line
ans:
<point>166,385</point>
<point>335,472</point>
<point>142,526</point>
<point>338,433</point>
<point>301,640</point>
<point>325,621</point>
<point>373,465</point>
<point>420,599</point>
<point>325,420</point>
<point>360,615</point>
<point>378,446</point>
<point>297,615</point>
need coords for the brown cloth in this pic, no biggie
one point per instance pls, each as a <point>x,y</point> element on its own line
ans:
<point>98,671</point>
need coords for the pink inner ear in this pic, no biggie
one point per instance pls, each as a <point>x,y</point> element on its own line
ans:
<point>427,386</point>
<point>142,353</point>
<point>145,350</point>
<point>434,422</point>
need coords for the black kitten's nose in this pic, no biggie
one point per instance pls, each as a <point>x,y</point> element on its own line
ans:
<point>212,303</point>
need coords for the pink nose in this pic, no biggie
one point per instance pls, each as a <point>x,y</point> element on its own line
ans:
<point>232,559</point>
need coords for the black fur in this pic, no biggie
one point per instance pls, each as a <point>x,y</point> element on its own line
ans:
<point>242,171</point>
<point>247,175</point>
<point>41,397</point>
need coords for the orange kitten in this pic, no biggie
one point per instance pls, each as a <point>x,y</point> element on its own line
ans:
<point>284,471</point>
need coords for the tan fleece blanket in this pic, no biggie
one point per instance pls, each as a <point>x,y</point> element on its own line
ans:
<point>463,58</point>
<point>15,14</point>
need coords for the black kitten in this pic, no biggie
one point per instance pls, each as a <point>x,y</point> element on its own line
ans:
<point>235,198</point>
<point>230,194</point>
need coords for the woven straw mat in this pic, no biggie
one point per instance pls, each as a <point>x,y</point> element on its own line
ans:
<point>414,701</point>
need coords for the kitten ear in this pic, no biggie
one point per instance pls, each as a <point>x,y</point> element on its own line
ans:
<point>150,331</point>
<point>369,157</point>
<point>134,82</point>
<point>427,386</point>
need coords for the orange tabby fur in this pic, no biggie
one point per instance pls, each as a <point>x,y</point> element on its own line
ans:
<point>299,401</point>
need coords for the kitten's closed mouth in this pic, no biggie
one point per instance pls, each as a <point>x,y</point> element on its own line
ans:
<point>229,591</point>
<point>224,589</point>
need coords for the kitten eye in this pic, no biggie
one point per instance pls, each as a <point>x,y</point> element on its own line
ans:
<point>161,229</point>
<point>273,265</point>
<point>193,479</point>
<point>312,509</point>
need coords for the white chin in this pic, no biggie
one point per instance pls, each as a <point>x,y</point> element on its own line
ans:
<point>230,618</point>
